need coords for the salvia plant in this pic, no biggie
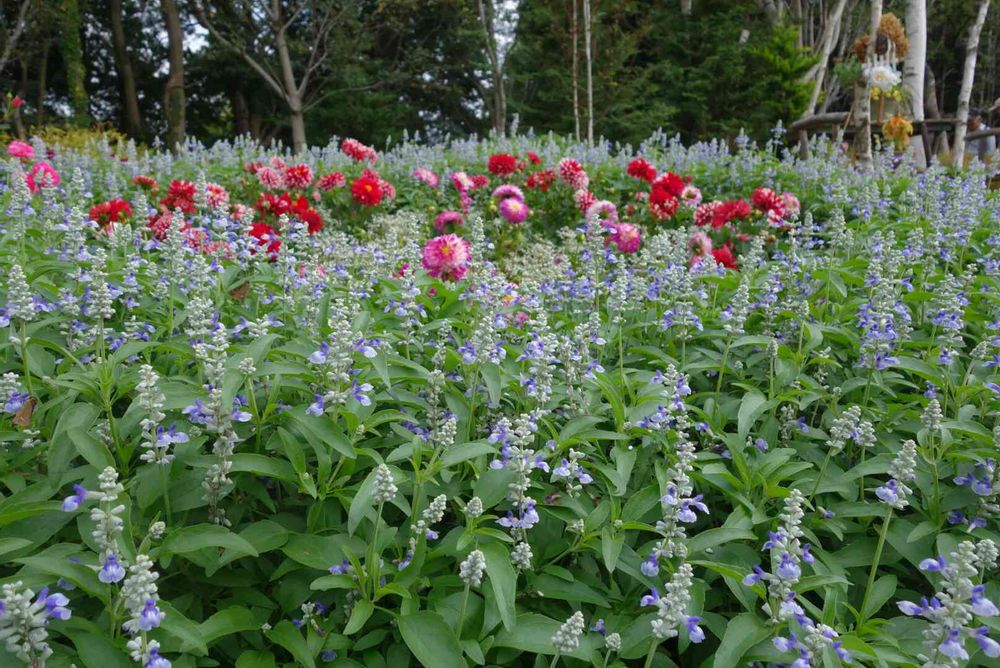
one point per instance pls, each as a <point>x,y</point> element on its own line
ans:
<point>502,402</point>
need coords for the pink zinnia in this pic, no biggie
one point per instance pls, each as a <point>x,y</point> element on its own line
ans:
<point>20,149</point>
<point>626,237</point>
<point>445,218</point>
<point>447,257</point>
<point>426,176</point>
<point>508,190</point>
<point>42,175</point>
<point>514,210</point>
<point>299,176</point>
<point>328,182</point>
<point>572,174</point>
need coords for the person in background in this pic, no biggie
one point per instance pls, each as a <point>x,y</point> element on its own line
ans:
<point>984,146</point>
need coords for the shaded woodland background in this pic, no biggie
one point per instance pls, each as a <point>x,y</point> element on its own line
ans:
<point>162,70</point>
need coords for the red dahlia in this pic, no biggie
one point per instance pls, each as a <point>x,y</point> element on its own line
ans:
<point>641,168</point>
<point>502,164</point>
<point>366,191</point>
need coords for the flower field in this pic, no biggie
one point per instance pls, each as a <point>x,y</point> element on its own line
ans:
<point>516,402</point>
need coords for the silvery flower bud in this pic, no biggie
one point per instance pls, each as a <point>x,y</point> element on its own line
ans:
<point>472,569</point>
<point>385,486</point>
<point>567,639</point>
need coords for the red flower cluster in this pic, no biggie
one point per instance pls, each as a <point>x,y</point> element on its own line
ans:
<point>718,214</point>
<point>180,195</point>
<point>664,196</point>
<point>724,256</point>
<point>640,168</point>
<point>769,202</point>
<point>502,164</point>
<point>269,205</point>
<point>106,214</point>
<point>266,236</point>
<point>533,158</point>
<point>358,151</point>
<point>542,180</point>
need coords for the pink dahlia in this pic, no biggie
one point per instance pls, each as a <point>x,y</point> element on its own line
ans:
<point>328,182</point>
<point>20,149</point>
<point>462,182</point>
<point>216,196</point>
<point>358,151</point>
<point>446,218</point>
<point>426,176</point>
<point>572,174</point>
<point>604,212</point>
<point>271,178</point>
<point>690,197</point>
<point>513,210</point>
<point>447,257</point>
<point>792,204</point>
<point>700,244</point>
<point>42,175</point>
<point>626,237</point>
<point>508,190</point>
<point>584,200</point>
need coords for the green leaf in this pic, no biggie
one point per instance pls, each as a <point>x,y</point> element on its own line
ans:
<point>226,622</point>
<point>882,591</point>
<point>431,640</point>
<point>61,452</point>
<point>183,629</point>
<point>362,610</point>
<point>97,650</point>
<point>262,465</point>
<point>718,536</point>
<point>285,634</point>
<point>752,406</point>
<point>503,581</point>
<point>466,451</point>
<point>320,431</point>
<point>743,632</point>
<point>13,544</point>
<point>199,536</point>
<point>255,659</point>
<point>534,632</point>
<point>611,547</point>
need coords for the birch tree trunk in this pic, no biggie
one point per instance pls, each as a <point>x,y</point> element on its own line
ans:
<point>863,99</point>
<point>590,72</point>
<point>20,23</point>
<point>174,102</point>
<point>499,112</point>
<point>123,63</point>
<point>968,76</point>
<point>686,7</point>
<point>827,43</point>
<point>574,35</point>
<point>915,63</point>
<point>293,93</point>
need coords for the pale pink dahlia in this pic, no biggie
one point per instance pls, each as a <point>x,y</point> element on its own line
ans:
<point>216,196</point>
<point>462,182</point>
<point>446,218</point>
<point>603,212</point>
<point>514,210</point>
<point>792,204</point>
<point>584,200</point>
<point>426,176</point>
<point>690,197</point>
<point>508,190</point>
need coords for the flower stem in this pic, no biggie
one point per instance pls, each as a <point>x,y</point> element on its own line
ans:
<point>374,553</point>
<point>555,660</point>
<point>652,653</point>
<point>878,556</point>
<point>461,614</point>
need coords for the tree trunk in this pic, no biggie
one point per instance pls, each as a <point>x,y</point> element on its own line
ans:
<point>499,111</point>
<point>174,101</point>
<point>916,58</point>
<point>931,108</point>
<point>588,56</point>
<point>827,43</point>
<point>574,35</point>
<point>862,97</point>
<point>43,74</point>
<point>686,7</point>
<point>293,96</point>
<point>20,23</point>
<point>132,121</point>
<point>968,76</point>
<point>72,52</point>
<point>241,112</point>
